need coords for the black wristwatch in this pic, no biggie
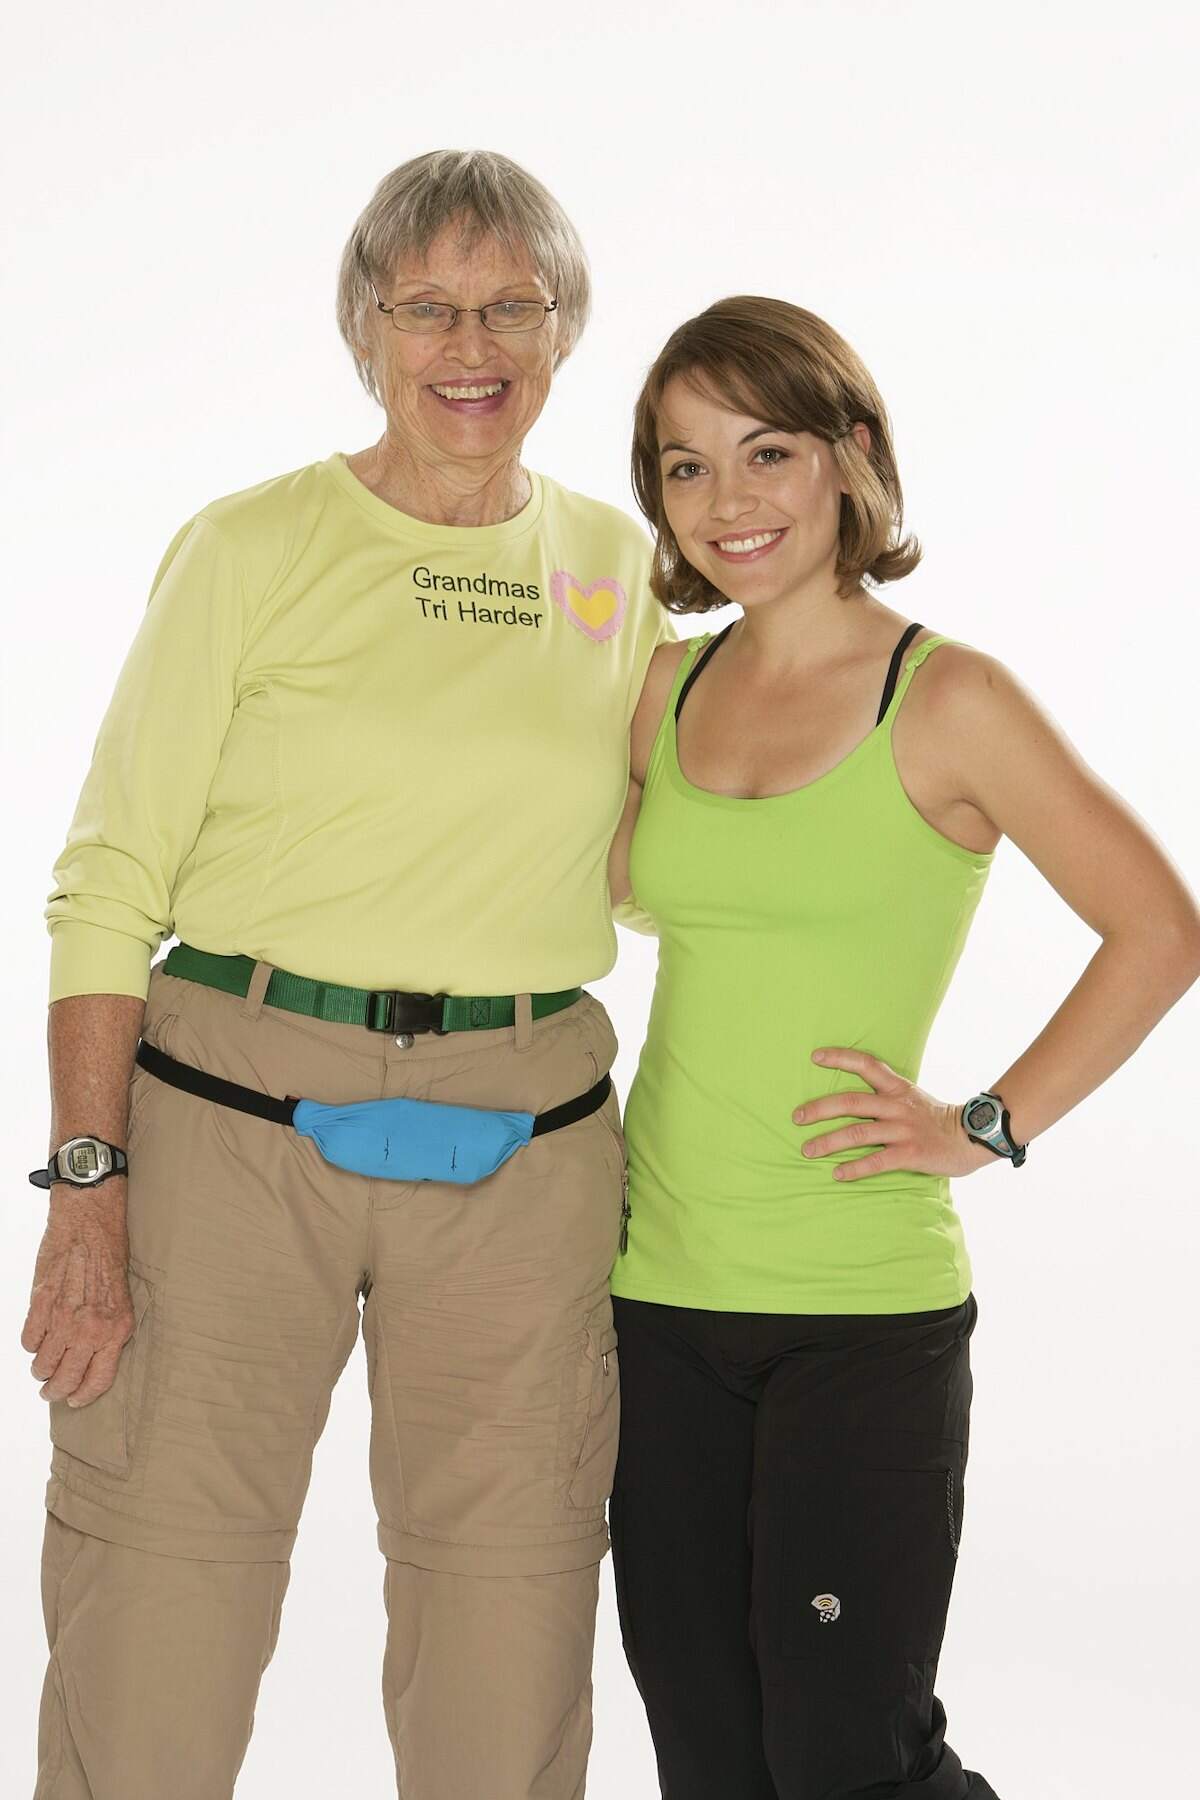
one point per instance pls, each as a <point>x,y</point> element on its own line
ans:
<point>986,1121</point>
<point>82,1162</point>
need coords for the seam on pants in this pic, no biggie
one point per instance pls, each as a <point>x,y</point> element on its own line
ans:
<point>100,1499</point>
<point>950,1508</point>
<point>959,1349</point>
<point>383,1371</point>
<point>278,1595</point>
<point>60,1736</point>
<point>304,1468</point>
<point>60,1726</point>
<point>391,1694</point>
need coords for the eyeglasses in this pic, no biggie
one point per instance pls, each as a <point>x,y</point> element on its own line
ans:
<point>497,315</point>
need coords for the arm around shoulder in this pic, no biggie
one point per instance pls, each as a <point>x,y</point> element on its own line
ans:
<point>656,688</point>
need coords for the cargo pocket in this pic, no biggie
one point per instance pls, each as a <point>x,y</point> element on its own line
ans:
<point>597,1413</point>
<point>98,1443</point>
<point>867,1559</point>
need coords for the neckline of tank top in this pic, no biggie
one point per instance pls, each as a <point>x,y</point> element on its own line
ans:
<point>708,796</point>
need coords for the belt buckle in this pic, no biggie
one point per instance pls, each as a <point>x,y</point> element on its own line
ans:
<point>399,1014</point>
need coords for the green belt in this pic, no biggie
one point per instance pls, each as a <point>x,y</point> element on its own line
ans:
<point>379,1009</point>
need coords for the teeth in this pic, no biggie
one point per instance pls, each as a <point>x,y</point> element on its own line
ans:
<point>738,546</point>
<point>469,393</point>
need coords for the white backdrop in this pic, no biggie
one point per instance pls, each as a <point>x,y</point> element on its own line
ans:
<point>998,210</point>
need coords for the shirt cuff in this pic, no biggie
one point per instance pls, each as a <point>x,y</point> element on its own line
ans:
<point>634,918</point>
<point>88,959</point>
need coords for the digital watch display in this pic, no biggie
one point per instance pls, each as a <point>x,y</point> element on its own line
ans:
<point>81,1162</point>
<point>986,1121</point>
<point>982,1115</point>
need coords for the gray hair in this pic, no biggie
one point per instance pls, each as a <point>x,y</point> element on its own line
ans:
<point>487,195</point>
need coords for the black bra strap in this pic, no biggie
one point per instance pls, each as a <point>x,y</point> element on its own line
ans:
<point>893,674</point>
<point>889,686</point>
<point>701,660</point>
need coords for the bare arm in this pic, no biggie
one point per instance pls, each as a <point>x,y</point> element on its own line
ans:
<point>1111,871</point>
<point>80,1312</point>
<point>1007,759</point>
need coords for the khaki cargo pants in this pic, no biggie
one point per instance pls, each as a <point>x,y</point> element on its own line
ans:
<point>174,1498</point>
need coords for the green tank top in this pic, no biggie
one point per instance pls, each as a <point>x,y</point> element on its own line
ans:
<point>834,914</point>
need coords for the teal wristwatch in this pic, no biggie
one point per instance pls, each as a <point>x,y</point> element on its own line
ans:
<point>986,1121</point>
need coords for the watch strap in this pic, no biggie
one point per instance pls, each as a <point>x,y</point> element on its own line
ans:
<point>45,1178</point>
<point>1016,1152</point>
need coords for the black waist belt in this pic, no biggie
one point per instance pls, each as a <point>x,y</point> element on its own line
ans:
<point>279,1112</point>
<point>379,1009</point>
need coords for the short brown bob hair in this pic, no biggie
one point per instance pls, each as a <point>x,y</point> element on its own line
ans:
<point>778,363</point>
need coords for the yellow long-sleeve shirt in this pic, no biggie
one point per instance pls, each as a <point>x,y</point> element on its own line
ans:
<point>365,748</point>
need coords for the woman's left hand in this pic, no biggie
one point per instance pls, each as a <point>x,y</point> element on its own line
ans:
<point>910,1128</point>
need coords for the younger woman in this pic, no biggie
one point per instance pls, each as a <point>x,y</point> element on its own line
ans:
<point>817,793</point>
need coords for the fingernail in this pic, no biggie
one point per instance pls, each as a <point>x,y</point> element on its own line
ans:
<point>798,1115</point>
<point>74,1403</point>
<point>818,1056</point>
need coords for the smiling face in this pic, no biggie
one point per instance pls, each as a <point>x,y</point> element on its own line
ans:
<point>755,510</point>
<point>467,395</point>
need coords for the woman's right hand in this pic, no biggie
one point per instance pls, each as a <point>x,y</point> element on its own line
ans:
<point>80,1313</point>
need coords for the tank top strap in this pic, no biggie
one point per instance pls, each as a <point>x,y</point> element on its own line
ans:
<point>912,663</point>
<point>687,663</point>
<point>696,648</point>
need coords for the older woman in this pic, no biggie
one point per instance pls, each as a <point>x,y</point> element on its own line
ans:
<point>365,759</point>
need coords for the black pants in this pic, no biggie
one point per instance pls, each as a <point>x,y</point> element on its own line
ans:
<point>785,1525</point>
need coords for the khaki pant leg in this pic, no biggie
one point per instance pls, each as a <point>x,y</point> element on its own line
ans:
<point>155,1663</point>
<point>175,1497</point>
<point>246,1263</point>
<point>494,1384</point>
<point>487,1683</point>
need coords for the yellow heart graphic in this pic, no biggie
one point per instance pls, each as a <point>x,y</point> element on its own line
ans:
<point>594,609</point>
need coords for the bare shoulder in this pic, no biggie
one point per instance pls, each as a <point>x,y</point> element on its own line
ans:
<point>656,688</point>
<point>964,690</point>
<point>971,734</point>
<point>662,667</point>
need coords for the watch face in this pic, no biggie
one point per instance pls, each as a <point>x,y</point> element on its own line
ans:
<point>982,1116</point>
<point>83,1161</point>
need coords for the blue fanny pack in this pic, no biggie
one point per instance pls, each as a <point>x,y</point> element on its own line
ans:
<point>400,1140</point>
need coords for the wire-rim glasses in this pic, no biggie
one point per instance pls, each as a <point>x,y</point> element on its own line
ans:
<point>498,315</point>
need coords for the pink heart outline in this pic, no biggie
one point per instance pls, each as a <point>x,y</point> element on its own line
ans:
<point>562,581</point>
